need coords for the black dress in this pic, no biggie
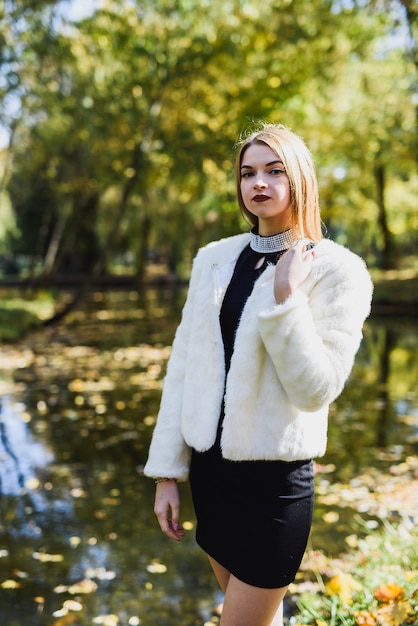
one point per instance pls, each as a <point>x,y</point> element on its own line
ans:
<point>253,517</point>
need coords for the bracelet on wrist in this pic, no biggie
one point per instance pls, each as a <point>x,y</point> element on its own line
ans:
<point>163,479</point>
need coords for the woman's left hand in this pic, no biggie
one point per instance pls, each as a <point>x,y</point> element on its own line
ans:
<point>167,501</point>
<point>292,269</point>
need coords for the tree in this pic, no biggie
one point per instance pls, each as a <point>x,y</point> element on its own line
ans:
<point>128,119</point>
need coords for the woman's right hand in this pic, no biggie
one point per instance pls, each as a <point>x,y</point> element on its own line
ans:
<point>167,509</point>
<point>292,269</point>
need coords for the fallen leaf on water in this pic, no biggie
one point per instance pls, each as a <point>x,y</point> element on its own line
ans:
<point>60,613</point>
<point>106,620</point>
<point>101,573</point>
<point>74,541</point>
<point>84,586</point>
<point>72,605</point>
<point>10,584</point>
<point>157,568</point>
<point>47,558</point>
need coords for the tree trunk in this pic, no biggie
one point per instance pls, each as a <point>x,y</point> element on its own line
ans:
<point>143,246</point>
<point>54,245</point>
<point>101,259</point>
<point>387,257</point>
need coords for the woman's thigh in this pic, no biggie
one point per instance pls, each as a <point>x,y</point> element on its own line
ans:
<point>221,573</point>
<point>245,605</point>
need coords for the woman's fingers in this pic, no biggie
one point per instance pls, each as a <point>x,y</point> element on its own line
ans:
<point>167,509</point>
<point>292,269</point>
<point>175,531</point>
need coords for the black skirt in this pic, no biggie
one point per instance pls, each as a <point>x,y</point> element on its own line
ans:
<point>253,517</point>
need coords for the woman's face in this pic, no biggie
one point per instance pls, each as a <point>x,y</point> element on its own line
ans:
<point>265,189</point>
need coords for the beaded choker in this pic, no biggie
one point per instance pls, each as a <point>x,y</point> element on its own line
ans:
<point>273,243</point>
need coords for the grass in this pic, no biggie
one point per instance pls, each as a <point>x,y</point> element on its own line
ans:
<point>374,585</point>
<point>18,313</point>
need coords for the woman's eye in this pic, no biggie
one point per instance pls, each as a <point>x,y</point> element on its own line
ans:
<point>277,171</point>
<point>246,174</point>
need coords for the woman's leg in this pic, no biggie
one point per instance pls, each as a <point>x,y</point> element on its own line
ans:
<point>221,573</point>
<point>245,605</point>
<point>278,618</point>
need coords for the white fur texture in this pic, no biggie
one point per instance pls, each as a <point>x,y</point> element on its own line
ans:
<point>289,363</point>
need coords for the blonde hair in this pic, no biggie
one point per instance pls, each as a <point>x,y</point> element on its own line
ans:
<point>300,169</point>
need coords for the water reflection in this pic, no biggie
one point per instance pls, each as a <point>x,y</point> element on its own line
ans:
<point>76,514</point>
<point>20,455</point>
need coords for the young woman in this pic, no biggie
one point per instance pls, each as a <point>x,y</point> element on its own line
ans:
<point>269,331</point>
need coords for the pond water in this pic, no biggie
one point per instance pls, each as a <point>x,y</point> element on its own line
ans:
<point>79,543</point>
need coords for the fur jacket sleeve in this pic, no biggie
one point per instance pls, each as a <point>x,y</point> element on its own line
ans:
<point>290,361</point>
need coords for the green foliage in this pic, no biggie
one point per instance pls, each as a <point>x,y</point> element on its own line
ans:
<point>375,585</point>
<point>14,323</point>
<point>7,221</point>
<point>19,313</point>
<point>123,142</point>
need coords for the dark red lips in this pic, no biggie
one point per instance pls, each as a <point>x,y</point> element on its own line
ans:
<point>261,198</point>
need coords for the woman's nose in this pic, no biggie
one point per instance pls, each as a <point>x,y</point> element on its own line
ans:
<point>260,183</point>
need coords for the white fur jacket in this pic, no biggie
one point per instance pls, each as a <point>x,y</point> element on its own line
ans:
<point>290,361</point>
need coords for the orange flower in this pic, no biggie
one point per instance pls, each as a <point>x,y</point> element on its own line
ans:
<point>389,592</point>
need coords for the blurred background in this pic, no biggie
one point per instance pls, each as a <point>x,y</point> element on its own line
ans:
<point>118,126</point>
